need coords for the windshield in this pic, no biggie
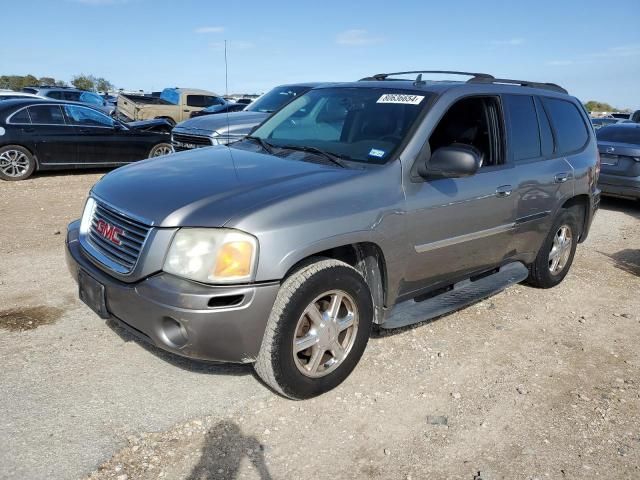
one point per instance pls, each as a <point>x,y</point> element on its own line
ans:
<point>275,99</point>
<point>360,124</point>
<point>620,134</point>
<point>170,95</point>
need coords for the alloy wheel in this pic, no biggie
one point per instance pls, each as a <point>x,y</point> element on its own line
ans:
<point>14,163</point>
<point>325,333</point>
<point>560,250</point>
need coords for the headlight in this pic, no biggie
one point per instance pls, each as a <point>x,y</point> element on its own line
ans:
<point>87,215</point>
<point>212,255</point>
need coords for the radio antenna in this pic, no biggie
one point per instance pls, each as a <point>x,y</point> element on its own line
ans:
<point>226,86</point>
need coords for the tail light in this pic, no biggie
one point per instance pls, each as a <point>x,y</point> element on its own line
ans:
<point>597,169</point>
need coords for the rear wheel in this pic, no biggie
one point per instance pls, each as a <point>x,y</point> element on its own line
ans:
<point>317,331</point>
<point>160,150</point>
<point>556,254</point>
<point>16,163</point>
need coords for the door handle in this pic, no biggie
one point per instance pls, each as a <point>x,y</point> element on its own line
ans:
<point>186,110</point>
<point>28,130</point>
<point>561,177</point>
<point>504,191</point>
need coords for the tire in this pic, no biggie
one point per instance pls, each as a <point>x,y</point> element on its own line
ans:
<point>314,288</point>
<point>170,120</point>
<point>544,273</point>
<point>16,163</point>
<point>160,150</point>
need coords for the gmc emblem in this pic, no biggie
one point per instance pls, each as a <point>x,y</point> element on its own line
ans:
<point>110,232</point>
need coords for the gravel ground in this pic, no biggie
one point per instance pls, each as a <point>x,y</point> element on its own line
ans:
<point>527,384</point>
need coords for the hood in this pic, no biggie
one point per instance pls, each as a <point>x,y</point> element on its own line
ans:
<point>238,122</point>
<point>208,187</point>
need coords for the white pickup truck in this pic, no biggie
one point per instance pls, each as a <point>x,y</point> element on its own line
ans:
<point>173,104</point>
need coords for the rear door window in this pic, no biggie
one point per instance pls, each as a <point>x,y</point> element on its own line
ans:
<point>46,115</point>
<point>202,101</point>
<point>524,136</point>
<point>570,129</point>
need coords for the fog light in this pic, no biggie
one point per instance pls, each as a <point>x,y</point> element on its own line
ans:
<point>174,332</point>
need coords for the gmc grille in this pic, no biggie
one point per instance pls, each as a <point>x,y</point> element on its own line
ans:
<point>182,141</point>
<point>131,238</point>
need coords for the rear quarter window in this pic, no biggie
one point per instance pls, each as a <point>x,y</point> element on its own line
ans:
<point>21,116</point>
<point>570,128</point>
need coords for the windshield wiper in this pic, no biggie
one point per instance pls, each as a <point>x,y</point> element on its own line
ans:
<point>267,147</point>
<point>335,159</point>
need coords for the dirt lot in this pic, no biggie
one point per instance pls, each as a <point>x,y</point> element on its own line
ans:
<point>528,384</point>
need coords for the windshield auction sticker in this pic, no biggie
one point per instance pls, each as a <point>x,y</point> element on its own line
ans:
<point>399,98</point>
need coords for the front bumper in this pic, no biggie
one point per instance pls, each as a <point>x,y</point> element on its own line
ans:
<point>202,322</point>
<point>619,186</point>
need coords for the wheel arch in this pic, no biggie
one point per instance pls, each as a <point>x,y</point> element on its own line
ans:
<point>582,202</point>
<point>31,150</point>
<point>366,257</point>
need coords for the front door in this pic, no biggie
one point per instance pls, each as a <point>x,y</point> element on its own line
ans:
<point>461,226</point>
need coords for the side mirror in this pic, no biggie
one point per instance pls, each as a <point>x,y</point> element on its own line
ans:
<point>454,161</point>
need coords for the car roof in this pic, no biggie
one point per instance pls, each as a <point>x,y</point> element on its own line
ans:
<point>27,102</point>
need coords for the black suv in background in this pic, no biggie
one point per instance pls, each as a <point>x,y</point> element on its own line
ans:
<point>71,94</point>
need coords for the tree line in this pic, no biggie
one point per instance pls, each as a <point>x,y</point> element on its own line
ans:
<point>81,81</point>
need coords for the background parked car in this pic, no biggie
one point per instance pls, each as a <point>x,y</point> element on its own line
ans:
<point>619,147</point>
<point>222,129</point>
<point>44,135</point>
<point>603,122</point>
<point>72,95</point>
<point>226,107</point>
<point>173,104</point>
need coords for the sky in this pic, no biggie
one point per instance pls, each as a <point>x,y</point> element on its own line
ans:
<point>592,48</point>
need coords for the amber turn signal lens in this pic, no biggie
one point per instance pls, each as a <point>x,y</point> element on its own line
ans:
<point>234,260</point>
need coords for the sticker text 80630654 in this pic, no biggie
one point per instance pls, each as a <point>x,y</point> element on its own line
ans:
<point>400,98</point>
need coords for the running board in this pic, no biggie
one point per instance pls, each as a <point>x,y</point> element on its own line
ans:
<point>463,294</point>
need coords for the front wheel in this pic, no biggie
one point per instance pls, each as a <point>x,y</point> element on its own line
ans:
<point>160,150</point>
<point>556,254</point>
<point>317,331</point>
<point>16,163</point>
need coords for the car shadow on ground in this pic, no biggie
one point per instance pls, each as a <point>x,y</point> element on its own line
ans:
<point>627,260</point>
<point>224,448</point>
<point>630,207</point>
<point>195,366</point>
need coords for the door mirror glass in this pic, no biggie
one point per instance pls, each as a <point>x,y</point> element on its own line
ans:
<point>453,161</point>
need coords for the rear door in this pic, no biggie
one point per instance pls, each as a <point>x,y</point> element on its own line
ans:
<point>543,175</point>
<point>54,138</point>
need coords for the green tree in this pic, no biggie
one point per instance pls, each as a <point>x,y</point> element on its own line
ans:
<point>46,81</point>
<point>84,82</point>
<point>103,85</point>
<point>595,106</point>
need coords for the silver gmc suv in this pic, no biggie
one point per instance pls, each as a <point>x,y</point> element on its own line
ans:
<point>383,202</point>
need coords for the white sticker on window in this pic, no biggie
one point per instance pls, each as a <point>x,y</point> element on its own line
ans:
<point>374,152</point>
<point>400,98</point>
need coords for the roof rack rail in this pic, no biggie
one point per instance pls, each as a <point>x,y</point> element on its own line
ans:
<point>47,86</point>
<point>385,76</point>
<point>523,83</point>
<point>475,78</point>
